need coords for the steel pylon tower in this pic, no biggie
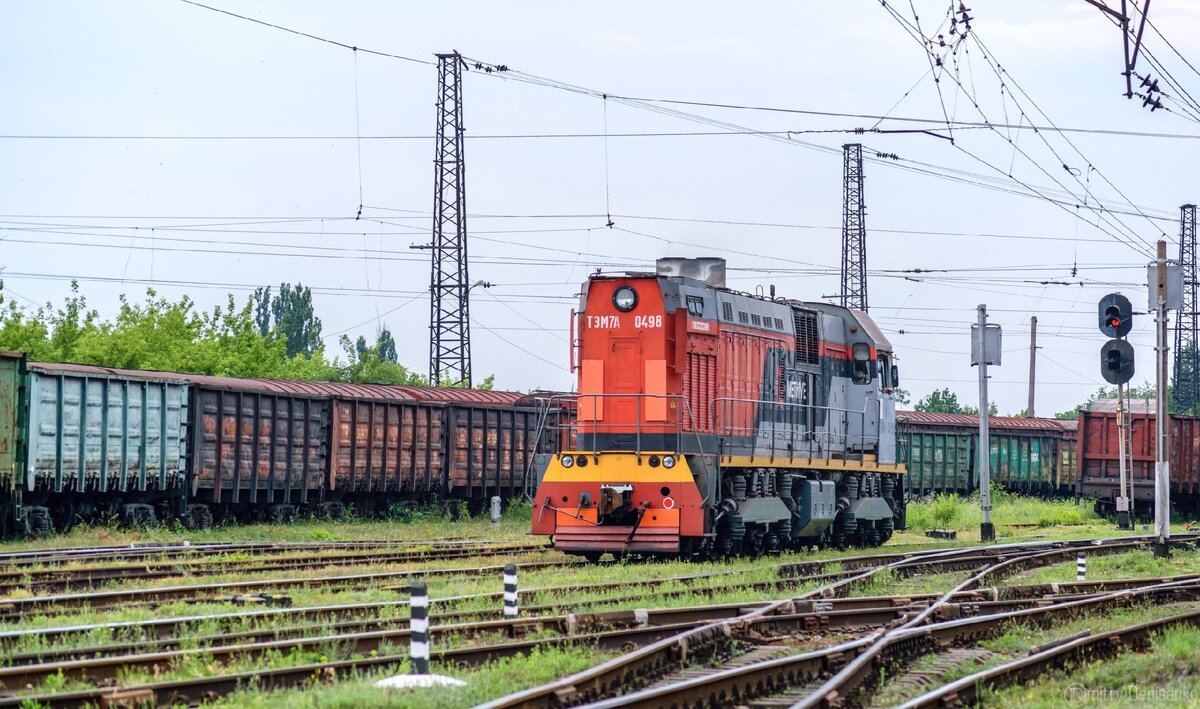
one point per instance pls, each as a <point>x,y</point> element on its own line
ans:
<point>449,324</point>
<point>1186,388</point>
<point>854,230</point>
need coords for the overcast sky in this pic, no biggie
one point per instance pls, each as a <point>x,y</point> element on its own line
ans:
<point>263,142</point>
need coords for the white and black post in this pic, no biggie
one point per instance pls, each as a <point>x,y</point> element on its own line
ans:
<point>1162,423</point>
<point>418,625</point>
<point>510,591</point>
<point>1081,568</point>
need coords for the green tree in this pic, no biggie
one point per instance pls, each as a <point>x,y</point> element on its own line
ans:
<point>385,346</point>
<point>903,397</point>
<point>944,401</point>
<point>288,315</point>
<point>366,367</point>
<point>941,401</point>
<point>262,310</point>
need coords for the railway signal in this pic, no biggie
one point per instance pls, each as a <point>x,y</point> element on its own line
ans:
<point>1116,315</point>
<point>1116,366</point>
<point>1116,362</point>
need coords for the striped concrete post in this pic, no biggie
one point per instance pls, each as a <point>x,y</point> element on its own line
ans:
<point>510,591</point>
<point>418,625</point>
<point>1081,568</point>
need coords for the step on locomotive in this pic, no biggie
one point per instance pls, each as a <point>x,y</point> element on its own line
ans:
<point>710,422</point>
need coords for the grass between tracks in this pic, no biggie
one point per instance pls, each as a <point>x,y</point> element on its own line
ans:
<point>633,587</point>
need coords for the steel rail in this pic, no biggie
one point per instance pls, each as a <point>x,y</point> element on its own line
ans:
<point>11,608</point>
<point>343,610</point>
<point>969,603</point>
<point>648,662</point>
<point>847,679</point>
<point>98,600</point>
<point>169,549</point>
<point>744,684</point>
<point>194,690</point>
<point>59,580</point>
<point>1088,647</point>
<point>636,668</point>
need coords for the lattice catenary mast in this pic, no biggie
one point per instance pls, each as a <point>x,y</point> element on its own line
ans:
<point>449,324</point>
<point>1186,388</point>
<point>854,231</point>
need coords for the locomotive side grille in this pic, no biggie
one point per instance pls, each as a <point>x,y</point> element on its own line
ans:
<point>743,317</point>
<point>754,318</point>
<point>700,387</point>
<point>808,340</point>
<point>727,311</point>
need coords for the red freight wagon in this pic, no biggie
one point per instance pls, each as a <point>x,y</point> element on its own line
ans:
<point>1098,455</point>
<point>470,446</point>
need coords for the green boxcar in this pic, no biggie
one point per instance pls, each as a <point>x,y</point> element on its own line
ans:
<point>1025,463</point>
<point>12,438</point>
<point>938,461</point>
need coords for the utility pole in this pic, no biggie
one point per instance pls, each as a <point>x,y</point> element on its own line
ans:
<point>1032,363</point>
<point>1162,464</point>
<point>854,230</point>
<point>1186,391</point>
<point>449,321</point>
<point>985,350</point>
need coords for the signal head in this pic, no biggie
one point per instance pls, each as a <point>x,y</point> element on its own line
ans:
<point>1116,315</point>
<point>1116,362</point>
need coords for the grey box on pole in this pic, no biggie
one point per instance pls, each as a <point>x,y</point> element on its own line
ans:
<point>1174,285</point>
<point>991,344</point>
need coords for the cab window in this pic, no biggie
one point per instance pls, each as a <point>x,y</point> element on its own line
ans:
<point>861,371</point>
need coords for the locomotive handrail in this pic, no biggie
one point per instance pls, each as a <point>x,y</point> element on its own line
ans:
<point>728,428</point>
<point>597,426</point>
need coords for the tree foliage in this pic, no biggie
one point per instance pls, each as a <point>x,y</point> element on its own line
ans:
<point>944,401</point>
<point>246,340</point>
<point>288,316</point>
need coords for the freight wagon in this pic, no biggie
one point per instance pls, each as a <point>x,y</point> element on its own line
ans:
<point>84,442</point>
<point>1028,455</point>
<point>1099,455</point>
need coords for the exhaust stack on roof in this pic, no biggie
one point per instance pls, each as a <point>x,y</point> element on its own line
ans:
<point>709,270</point>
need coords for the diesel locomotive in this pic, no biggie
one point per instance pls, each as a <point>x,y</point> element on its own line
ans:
<point>710,422</point>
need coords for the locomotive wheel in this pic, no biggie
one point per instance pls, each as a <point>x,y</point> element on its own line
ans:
<point>593,556</point>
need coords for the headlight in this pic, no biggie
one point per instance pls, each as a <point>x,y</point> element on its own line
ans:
<point>624,298</point>
<point>567,461</point>
<point>668,461</point>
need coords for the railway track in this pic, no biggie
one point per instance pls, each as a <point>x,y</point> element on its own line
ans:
<point>54,580</point>
<point>605,630</point>
<point>664,638</point>
<point>821,677</point>
<point>14,608</point>
<point>33,557</point>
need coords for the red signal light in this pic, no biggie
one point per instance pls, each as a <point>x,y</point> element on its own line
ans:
<point>1115,322</point>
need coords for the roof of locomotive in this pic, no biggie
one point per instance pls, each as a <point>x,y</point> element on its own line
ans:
<point>870,328</point>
